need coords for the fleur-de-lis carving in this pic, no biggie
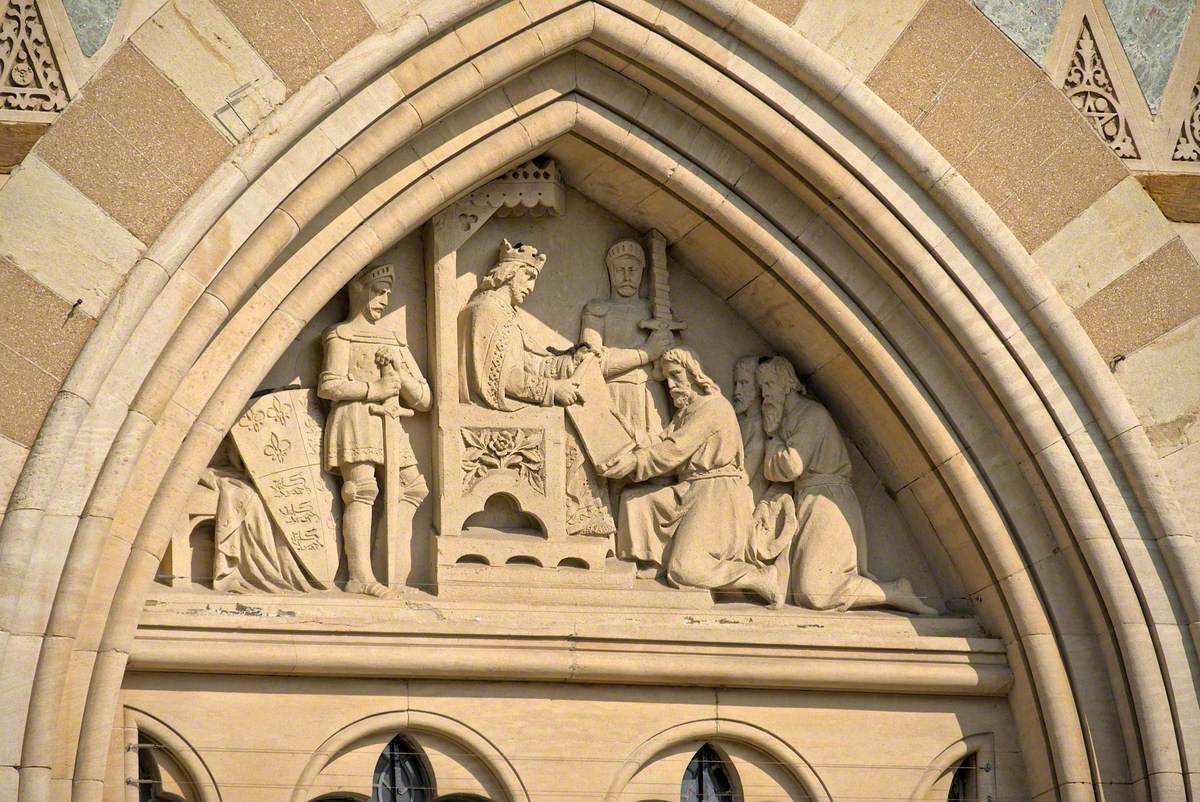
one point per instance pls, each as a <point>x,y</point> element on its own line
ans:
<point>279,412</point>
<point>253,420</point>
<point>277,448</point>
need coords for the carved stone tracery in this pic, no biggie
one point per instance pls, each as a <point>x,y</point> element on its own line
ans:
<point>1090,88</point>
<point>29,76</point>
<point>1187,147</point>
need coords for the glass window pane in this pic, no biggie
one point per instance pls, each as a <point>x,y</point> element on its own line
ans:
<point>400,774</point>
<point>706,778</point>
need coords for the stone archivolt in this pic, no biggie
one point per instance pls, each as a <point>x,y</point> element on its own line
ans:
<point>1090,88</point>
<point>29,75</point>
<point>896,380</point>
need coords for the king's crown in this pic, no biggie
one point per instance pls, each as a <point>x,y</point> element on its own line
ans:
<point>522,253</point>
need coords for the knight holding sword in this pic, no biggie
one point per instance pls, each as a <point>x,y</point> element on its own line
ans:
<point>631,332</point>
<point>373,381</point>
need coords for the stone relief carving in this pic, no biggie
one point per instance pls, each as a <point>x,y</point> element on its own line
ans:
<point>612,327</point>
<point>804,449</point>
<point>1090,88</point>
<point>503,371</point>
<point>619,449</point>
<point>492,450</point>
<point>29,76</point>
<point>1187,147</point>
<point>373,382</point>
<point>701,529</point>
<point>500,368</point>
<point>283,457</point>
<point>747,403</point>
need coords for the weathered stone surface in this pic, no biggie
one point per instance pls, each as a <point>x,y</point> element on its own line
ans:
<point>128,133</point>
<point>1177,194</point>
<point>198,49</point>
<point>1020,143</point>
<point>26,392</point>
<point>1154,297</point>
<point>12,459</point>
<point>39,325</point>
<point>1111,236</point>
<point>1163,382</point>
<point>16,140</point>
<point>1029,23</point>
<point>299,38</point>
<point>857,34</point>
<point>62,239</point>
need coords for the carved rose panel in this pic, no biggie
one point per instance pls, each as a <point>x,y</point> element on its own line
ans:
<point>488,451</point>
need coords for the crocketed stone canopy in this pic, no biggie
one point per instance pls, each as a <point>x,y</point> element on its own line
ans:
<point>794,193</point>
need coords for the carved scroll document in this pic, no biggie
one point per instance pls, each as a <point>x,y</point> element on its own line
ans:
<point>279,437</point>
<point>603,434</point>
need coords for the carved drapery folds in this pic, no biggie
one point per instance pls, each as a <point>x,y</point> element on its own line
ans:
<point>1090,88</point>
<point>29,76</point>
<point>597,442</point>
<point>1187,147</point>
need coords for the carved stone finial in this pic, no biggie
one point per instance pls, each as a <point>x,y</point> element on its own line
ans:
<point>29,76</point>
<point>1090,88</point>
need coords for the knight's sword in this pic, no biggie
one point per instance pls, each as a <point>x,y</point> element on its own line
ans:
<point>660,287</point>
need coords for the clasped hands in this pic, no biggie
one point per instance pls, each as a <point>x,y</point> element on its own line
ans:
<point>393,381</point>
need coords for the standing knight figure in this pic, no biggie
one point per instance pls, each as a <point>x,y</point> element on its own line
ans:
<point>369,374</point>
<point>612,327</point>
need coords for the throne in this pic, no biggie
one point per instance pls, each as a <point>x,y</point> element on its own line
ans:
<point>502,474</point>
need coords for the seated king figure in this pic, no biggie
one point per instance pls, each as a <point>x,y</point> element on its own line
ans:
<point>500,370</point>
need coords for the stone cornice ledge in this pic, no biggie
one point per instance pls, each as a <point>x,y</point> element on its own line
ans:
<point>730,646</point>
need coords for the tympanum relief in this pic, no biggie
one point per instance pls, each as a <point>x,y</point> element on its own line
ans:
<point>575,439</point>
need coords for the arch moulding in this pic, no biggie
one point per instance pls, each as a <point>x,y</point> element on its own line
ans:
<point>911,307</point>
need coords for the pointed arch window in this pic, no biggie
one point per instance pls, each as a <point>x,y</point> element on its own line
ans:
<point>402,774</point>
<point>963,787</point>
<point>707,778</point>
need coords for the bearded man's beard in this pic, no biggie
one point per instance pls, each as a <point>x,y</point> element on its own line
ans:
<point>772,411</point>
<point>680,398</point>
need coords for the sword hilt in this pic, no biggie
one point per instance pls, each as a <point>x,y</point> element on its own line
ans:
<point>663,324</point>
<point>390,409</point>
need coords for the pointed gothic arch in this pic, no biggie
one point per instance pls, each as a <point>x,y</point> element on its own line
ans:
<point>911,307</point>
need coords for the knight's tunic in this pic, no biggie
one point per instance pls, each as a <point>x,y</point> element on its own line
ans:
<point>353,433</point>
<point>614,327</point>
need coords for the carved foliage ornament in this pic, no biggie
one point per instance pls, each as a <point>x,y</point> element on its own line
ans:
<point>1187,149</point>
<point>1091,90</point>
<point>487,451</point>
<point>29,76</point>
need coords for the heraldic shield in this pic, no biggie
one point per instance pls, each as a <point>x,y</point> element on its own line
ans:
<point>280,437</point>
